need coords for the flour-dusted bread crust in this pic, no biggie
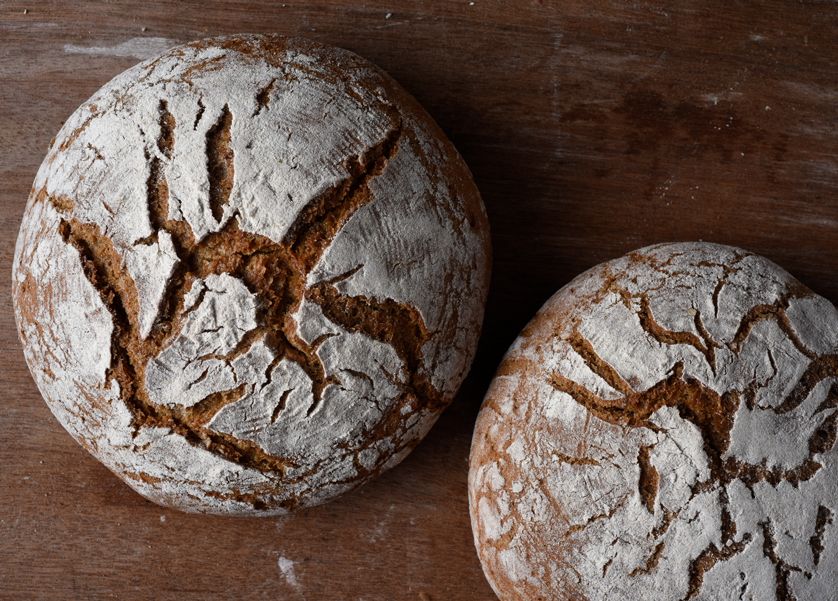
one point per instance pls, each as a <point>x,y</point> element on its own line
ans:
<point>251,274</point>
<point>664,429</point>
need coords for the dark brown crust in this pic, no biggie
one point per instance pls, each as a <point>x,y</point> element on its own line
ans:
<point>649,479</point>
<point>220,163</point>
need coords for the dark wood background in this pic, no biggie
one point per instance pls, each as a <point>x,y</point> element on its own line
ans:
<point>592,128</point>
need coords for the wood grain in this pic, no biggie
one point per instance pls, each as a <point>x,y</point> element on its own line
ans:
<point>592,127</point>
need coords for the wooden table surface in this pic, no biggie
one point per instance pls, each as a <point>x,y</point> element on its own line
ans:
<point>592,128</point>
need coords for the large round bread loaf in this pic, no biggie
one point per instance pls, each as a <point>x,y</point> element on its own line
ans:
<point>664,430</point>
<point>251,274</point>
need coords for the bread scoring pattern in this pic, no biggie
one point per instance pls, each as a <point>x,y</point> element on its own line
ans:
<point>664,429</point>
<point>257,357</point>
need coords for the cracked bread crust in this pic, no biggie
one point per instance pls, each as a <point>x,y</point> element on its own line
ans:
<point>664,429</point>
<point>250,275</point>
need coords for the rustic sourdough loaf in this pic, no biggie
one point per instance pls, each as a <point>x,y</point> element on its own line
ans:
<point>664,429</point>
<point>250,275</point>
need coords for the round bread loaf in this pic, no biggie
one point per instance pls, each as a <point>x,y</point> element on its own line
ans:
<point>251,274</point>
<point>664,429</point>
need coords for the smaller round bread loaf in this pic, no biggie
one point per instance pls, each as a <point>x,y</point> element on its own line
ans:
<point>251,274</point>
<point>664,430</point>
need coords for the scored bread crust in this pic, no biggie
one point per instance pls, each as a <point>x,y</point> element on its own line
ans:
<point>250,275</point>
<point>664,429</point>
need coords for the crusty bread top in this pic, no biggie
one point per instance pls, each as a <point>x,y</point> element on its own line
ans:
<point>664,429</point>
<point>250,274</point>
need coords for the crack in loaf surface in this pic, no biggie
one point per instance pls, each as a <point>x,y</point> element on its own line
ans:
<point>275,272</point>
<point>713,414</point>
